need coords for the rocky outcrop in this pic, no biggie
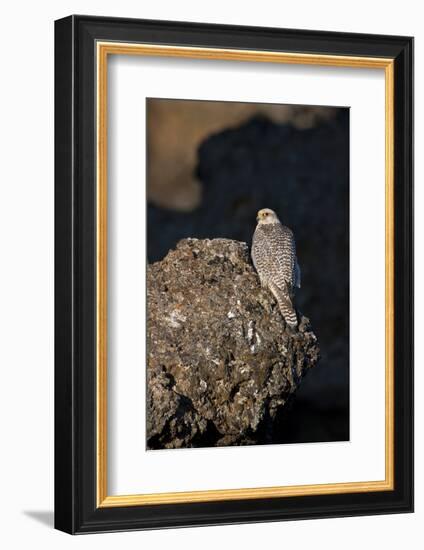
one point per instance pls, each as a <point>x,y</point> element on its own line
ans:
<point>222,364</point>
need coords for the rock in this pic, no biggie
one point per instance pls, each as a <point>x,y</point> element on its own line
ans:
<point>222,364</point>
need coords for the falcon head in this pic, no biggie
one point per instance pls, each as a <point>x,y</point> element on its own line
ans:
<point>266,215</point>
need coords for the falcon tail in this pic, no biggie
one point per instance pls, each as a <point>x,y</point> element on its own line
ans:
<point>285,304</point>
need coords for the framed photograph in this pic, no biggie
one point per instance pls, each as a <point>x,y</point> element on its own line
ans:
<point>233,265</point>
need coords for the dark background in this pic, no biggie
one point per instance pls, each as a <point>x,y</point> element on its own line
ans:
<point>302,174</point>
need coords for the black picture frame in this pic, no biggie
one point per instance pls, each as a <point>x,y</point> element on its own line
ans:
<point>76,509</point>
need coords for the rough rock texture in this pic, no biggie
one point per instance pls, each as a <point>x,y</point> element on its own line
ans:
<point>222,363</point>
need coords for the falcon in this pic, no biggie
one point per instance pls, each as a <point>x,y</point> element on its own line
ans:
<point>274,258</point>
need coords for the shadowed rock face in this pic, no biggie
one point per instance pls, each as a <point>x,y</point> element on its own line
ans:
<point>222,363</point>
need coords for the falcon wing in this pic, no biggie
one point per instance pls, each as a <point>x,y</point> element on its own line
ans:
<point>297,275</point>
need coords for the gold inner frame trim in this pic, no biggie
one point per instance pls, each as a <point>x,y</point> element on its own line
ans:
<point>103,50</point>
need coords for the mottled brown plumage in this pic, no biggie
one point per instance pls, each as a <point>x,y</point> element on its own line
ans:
<point>274,257</point>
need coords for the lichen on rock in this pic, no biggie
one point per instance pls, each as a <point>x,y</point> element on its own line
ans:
<point>222,363</point>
